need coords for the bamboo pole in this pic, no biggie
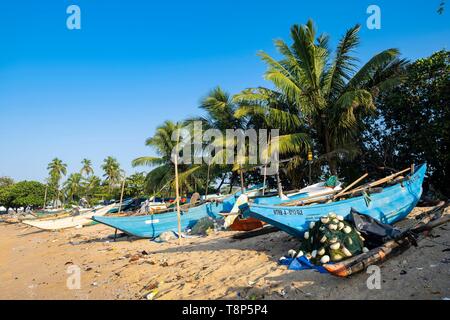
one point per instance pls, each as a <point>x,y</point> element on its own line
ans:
<point>375,183</point>
<point>266,160</point>
<point>45,196</point>
<point>207,180</point>
<point>242,178</point>
<point>351,185</point>
<point>121,194</point>
<point>311,199</point>
<point>176,188</point>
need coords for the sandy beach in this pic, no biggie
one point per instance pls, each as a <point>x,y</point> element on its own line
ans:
<point>34,265</point>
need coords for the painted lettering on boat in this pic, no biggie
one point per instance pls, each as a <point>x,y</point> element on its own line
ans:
<point>286,212</point>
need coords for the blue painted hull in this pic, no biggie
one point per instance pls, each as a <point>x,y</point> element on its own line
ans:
<point>391,205</point>
<point>151,226</point>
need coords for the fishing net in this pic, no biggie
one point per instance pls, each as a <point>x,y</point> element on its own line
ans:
<point>202,226</point>
<point>331,239</point>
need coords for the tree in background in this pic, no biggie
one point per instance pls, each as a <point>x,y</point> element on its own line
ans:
<point>135,185</point>
<point>162,178</point>
<point>57,169</point>
<point>87,167</point>
<point>413,123</point>
<point>22,194</point>
<point>219,109</point>
<point>6,182</point>
<point>112,174</point>
<point>73,186</point>
<point>331,95</point>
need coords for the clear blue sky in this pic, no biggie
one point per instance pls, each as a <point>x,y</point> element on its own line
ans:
<point>102,90</point>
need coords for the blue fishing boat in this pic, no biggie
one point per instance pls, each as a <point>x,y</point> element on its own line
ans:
<point>390,205</point>
<point>151,226</point>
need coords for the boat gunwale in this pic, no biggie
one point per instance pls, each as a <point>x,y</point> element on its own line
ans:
<point>324,205</point>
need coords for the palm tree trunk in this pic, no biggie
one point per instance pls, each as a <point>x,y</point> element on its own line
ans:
<point>331,161</point>
<point>221,183</point>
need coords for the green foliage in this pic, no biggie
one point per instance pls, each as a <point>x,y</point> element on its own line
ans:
<point>135,185</point>
<point>413,123</point>
<point>87,167</point>
<point>329,95</point>
<point>6,182</point>
<point>113,173</point>
<point>22,194</point>
<point>73,186</point>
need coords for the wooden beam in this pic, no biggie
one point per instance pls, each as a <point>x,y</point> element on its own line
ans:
<point>351,185</point>
<point>375,183</point>
<point>177,193</point>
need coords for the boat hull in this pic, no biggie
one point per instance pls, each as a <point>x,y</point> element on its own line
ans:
<point>68,222</point>
<point>151,226</point>
<point>391,205</point>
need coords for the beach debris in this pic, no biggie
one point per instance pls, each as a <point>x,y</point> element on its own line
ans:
<point>292,253</point>
<point>151,295</point>
<point>203,227</point>
<point>402,272</point>
<point>445,260</point>
<point>134,257</point>
<point>167,236</point>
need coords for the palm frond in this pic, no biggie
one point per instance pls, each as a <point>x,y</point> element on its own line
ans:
<point>366,73</point>
<point>147,161</point>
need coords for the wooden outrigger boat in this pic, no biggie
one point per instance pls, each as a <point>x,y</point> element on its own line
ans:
<point>151,226</point>
<point>388,206</point>
<point>68,222</point>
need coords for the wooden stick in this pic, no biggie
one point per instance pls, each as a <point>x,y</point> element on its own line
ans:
<point>375,183</point>
<point>265,165</point>
<point>176,189</point>
<point>207,180</point>
<point>121,195</point>
<point>317,198</point>
<point>45,196</point>
<point>351,185</point>
<point>242,179</point>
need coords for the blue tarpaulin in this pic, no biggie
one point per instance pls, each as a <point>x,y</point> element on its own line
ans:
<point>300,263</point>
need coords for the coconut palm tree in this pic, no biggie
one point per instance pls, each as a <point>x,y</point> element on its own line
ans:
<point>91,184</point>
<point>163,176</point>
<point>73,185</point>
<point>329,93</point>
<point>219,114</point>
<point>87,167</point>
<point>112,170</point>
<point>57,169</point>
